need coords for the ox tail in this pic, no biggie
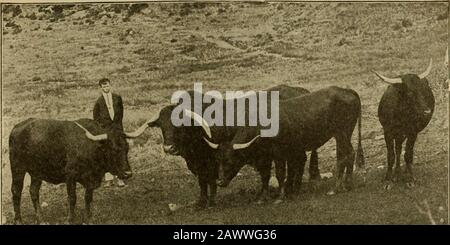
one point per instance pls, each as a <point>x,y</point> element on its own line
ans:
<point>359,159</point>
<point>360,162</point>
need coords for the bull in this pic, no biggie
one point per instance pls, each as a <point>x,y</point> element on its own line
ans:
<point>188,142</point>
<point>405,109</point>
<point>305,123</point>
<point>64,152</point>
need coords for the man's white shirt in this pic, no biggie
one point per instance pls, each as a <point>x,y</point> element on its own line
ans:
<point>109,104</point>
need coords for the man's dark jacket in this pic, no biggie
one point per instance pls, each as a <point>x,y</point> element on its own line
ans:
<point>101,114</point>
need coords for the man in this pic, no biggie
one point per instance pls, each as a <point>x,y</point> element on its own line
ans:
<point>108,112</point>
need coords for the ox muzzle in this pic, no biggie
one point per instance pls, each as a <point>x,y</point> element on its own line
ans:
<point>171,149</point>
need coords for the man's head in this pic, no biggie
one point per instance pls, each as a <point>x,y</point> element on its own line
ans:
<point>105,85</point>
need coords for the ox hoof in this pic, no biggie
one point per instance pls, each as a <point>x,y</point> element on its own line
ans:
<point>331,193</point>
<point>315,178</point>
<point>212,203</point>
<point>314,185</point>
<point>259,202</point>
<point>278,201</point>
<point>200,205</point>
<point>348,187</point>
<point>410,185</point>
<point>388,186</point>
<point>69,221</point>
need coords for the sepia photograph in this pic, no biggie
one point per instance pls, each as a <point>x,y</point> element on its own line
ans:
<point>225,113</point>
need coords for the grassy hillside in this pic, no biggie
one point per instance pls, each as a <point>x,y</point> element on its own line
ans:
<point>53,56</point>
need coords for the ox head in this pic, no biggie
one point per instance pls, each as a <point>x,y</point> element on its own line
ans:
<point>175,138</point>
<point>416,90</point>
<point>116,150</point>
<point>231,157</point>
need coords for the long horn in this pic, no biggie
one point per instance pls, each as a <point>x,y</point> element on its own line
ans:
<point>142,128</point>
<point>91,136</point>
<point>211,144</point>
<point>200,120</point>
<point>425,73</point>
<point>243,146</point>
<point>138,131</point>
<point>387,79</point>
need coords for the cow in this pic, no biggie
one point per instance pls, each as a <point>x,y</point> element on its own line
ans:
<point>64,152</point>
<point>188,143</point>
<point>305,123</point>
<point>405,109</point>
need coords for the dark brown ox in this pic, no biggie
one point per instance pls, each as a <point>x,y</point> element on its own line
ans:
<point>64,152</point>
<point>405,109</point>
<point>306,123</point>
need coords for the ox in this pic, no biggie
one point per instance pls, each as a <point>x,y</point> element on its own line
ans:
<point>405,109</point>
<point>64,152</point>
<point>306,123</point>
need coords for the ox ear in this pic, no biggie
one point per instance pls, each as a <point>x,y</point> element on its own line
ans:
<point>153,124</point>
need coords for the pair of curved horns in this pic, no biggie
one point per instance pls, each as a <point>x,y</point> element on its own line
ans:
<point>199,119</point>
<point>399,80</point>
<point>235,146</point>
<point>91,136</point>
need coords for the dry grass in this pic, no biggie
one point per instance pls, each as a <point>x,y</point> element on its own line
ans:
<point>50,69</point>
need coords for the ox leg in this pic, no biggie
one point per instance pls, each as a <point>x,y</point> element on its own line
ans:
<point>72,198</point>
<point>16,189</point>
<point>389,139</point>
<point>292,171</point>
<point>300,170</point>
<point>409,160</point>
<point>340,165</point>
<point>88,197</point>
<point>398,153</point>
<point>264,168</point>
<point>350,160</point>
<point>212,193</point>
<point>280,173</point>
<point>35,186</point>
<point>203,200</point>
<point>314,173</point>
